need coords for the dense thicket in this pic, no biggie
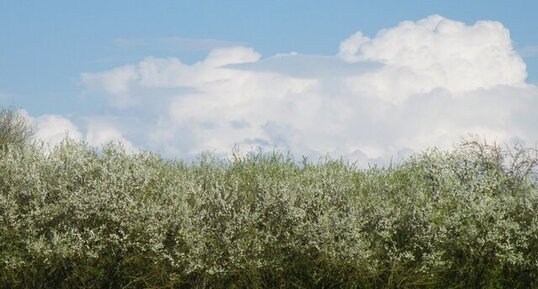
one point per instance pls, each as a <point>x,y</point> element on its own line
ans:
<point>78,217</point>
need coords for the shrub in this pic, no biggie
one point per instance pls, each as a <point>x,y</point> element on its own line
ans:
<point>15,128</point>
<point>82,217</point>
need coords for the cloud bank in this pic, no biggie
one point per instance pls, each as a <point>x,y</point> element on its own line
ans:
<point>420,84</point>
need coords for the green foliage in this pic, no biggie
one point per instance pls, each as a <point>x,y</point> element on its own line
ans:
<point>79,217</point>
<point>15,129</point>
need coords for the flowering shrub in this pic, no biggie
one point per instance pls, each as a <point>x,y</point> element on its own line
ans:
<point>79,217</point>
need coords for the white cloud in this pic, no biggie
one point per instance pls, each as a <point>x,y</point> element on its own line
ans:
<point>435,52</point>
<point>350,46</point>
<point>435,81</point>
<point>100,133</point>
<point>52,129</point>
<point>123,85</point>
<point>115,82</point>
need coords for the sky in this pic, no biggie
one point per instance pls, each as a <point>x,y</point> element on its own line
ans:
<point>367,81</point>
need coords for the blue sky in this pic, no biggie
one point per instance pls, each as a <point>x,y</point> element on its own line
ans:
<point>47,46</point>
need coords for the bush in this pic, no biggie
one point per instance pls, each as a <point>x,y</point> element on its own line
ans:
<point>79,217</point>
<point>15,128</point>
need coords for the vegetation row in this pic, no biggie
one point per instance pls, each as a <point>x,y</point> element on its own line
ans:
<point>74,216</point>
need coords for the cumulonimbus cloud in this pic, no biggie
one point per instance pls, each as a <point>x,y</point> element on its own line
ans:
<point>422,83</point>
